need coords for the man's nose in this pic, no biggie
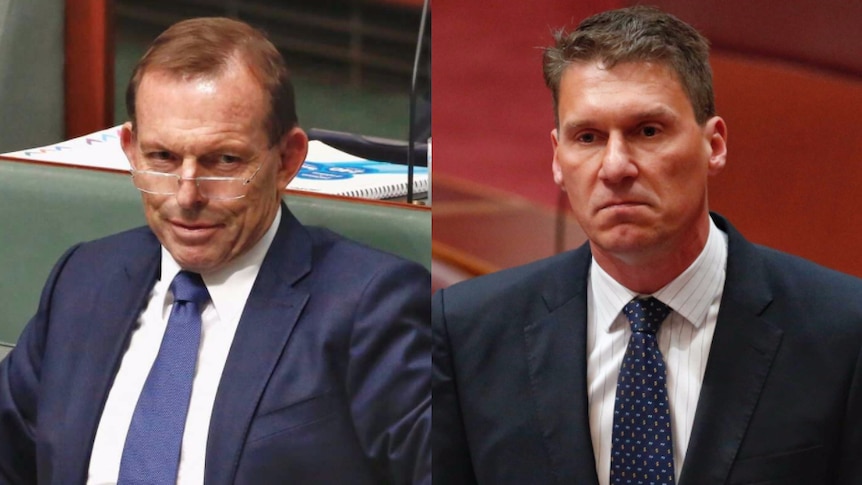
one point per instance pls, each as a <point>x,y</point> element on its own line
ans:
<point>188,192</point>
<point>617,161</point>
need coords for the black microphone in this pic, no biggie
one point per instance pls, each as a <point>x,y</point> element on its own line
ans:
<point>412,113</point>
<point>385,149</point>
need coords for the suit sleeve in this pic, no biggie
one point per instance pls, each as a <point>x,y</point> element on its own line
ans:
<point>389,375</point>
<point>452,463</point>
<point>19,391</point>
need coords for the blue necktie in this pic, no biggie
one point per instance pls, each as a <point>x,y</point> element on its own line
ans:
<point>152,450</point>
<point>642,446</point>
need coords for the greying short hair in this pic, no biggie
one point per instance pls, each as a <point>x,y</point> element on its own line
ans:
<point>636,34</point>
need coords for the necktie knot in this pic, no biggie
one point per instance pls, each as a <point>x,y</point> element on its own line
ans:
<point>645,314</point>
<point>188,286</point>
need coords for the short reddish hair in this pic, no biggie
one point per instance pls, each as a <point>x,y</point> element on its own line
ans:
<point>203,47</point>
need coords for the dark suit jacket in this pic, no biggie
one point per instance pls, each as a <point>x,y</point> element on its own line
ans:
<point>327,380</point>
<point>781,401</point>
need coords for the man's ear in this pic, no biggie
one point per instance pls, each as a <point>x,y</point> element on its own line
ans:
<point>129,143</point>
<point>555,166</point>
<point>716,133</point>
<point>292,149</point>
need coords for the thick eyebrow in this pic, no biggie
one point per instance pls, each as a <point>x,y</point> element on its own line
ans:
<point>236,150</point>
<point>151,145</point>
<point>571,126</point>
<point>657,113</point>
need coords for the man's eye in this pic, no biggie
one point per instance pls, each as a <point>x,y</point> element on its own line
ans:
<point>587,137</point>
<point>229,159</point>
<point>159,155</point>
<point>649,131</point>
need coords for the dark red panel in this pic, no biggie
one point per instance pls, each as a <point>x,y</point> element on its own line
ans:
<point>89,66</point>
<point>825,33</point>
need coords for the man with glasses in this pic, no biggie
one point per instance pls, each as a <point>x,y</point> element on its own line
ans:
<point>225,342</point>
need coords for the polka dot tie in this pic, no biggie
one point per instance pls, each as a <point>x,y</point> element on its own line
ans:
<point>642,446</point>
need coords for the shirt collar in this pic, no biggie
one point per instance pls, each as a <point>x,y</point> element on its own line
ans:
<point>230,285</point>
<point>689,294</point>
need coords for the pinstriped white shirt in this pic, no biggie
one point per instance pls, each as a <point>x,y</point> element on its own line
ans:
<point>684,340</point>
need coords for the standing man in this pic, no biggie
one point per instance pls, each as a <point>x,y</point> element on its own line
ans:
<point>668,349</point>
<point>225,342</point>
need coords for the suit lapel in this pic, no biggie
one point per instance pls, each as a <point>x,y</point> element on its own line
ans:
<point>270,314</point>
<point>121,300</point>
<point>556,361</point>
<point>743,348</point>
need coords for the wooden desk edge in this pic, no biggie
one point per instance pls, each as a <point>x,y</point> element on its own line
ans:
<point>461,259</point>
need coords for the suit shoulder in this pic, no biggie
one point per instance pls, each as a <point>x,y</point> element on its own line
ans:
<point>799,285</point>
<point>787,272</point>
<point>518,287</point>
<point>791,270</point>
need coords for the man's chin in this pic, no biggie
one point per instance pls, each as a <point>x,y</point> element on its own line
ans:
<point>195,259</point>
<point>625,242</point>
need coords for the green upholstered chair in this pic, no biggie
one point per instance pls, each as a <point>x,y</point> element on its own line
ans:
<point>44,209</point>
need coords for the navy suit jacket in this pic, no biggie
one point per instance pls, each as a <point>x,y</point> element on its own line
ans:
<point>781,401</point>
<point>327,380</point>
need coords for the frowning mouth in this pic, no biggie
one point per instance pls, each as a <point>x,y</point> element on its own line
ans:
<point>621,205</point>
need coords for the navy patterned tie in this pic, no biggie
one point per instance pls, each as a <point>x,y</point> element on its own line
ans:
<point>152,450</point>
<point>642,446</point>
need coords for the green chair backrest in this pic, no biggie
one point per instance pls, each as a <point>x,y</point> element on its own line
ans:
<point>44,209</point>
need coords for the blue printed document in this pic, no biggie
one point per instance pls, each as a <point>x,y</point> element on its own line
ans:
<point>331,171</point>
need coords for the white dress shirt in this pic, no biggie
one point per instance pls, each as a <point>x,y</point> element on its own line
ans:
<point>229,288</point>
<point>684,340</point>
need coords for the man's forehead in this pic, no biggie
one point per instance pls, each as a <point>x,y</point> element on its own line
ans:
<point>233,68</point>
<point>634,90</point>
<point>197,105</point>
<point>601,76</point>
<point>158,77</point>
<point>234,87</point>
